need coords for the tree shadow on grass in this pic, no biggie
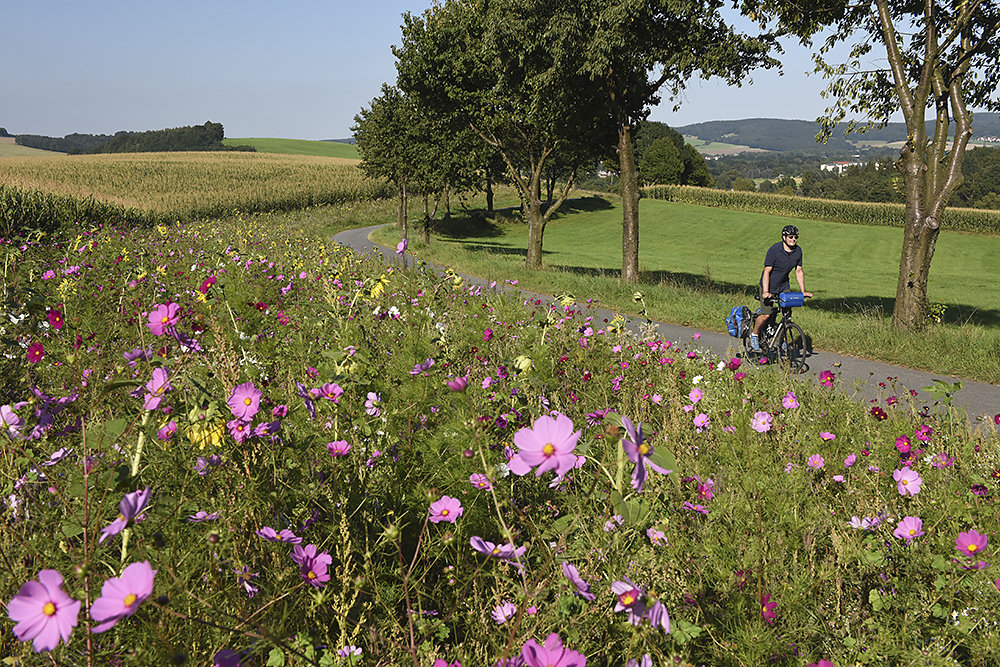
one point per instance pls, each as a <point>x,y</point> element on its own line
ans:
<point>474,224</point>
<point>882,307</point>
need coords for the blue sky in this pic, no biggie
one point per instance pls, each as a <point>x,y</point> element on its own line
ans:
<point>298,69</point>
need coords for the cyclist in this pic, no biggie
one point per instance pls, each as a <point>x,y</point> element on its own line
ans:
<point>779,261</point>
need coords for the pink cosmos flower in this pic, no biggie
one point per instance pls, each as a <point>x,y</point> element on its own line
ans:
<point>445,508</point>
<point>156,388</point>
<point>706,489</point>
<point>167,431</point>
<point>821,663</point>
<point>767,609</point>
<point>35,353</point>
<point>163,318</point>
<point>761,422</point>
<point>701,422</point>
<point>244,402</point>
<point>790,401</point>
<point>338,448</point>
<point>631,599</point>
<point>401,247</point>
<point>480,481</point>
<point>121,596</point>
<point>331,391</point>
<point>372,404</point>
<point>548,444</point>
<point>313,567</point>
<point>503,612</point>
<point>827,436</point>
<point>850,460</point>
<point>582,587</point>
<point>903,444</point>
<point>43,611</point>
<point>506,552</point>
<point>695,395</point>
<point>907,481</point>
<point>271,535</point>
<point>971,543</point>
<point>735,363</point>
<point>816,462</point>
<point>638,452</point>
<point>923,433</point>
<point>909,528</point>
<point>130,507</point>
<point>942,460</point>
<point>458,384</point>
<point>827,378</point>
<point>552,654</point>
<point>55,318</point>
<point>207,283</point>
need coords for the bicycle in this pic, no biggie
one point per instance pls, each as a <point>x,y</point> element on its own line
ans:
<point>780,335</point>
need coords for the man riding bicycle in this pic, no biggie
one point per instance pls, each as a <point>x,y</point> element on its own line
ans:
<point>779,261</point>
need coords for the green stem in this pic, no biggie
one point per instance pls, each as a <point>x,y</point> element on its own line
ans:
<point>139,444</point>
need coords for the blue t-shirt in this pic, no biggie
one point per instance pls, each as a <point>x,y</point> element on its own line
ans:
<point>781,262</point>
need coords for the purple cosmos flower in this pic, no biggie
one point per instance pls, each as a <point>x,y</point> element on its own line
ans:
<point>121,596</point>
<point>57,456</point>
<point>10,421</point>
<point>303,393</point>
<point>508,552</point>
<point>582,587</point>
<point>700,509</point>
<point>827,436</point>
<point>816,462</point>
<point>271,535</point>
<point>313,567</point>
<point>923,433</point>
<point>43,611</point>
<point>706,489</point>
<point>548,444</point>
<point>638,452</point>
<point>552,654</point>
<point>630,599</point>
<point>372,404</point>
<point>244,576</point>
<point>761,422</point>
<point>790,401</point>
<point>348,651</point>
<point>445,508</point>
<point>644,661</point>
<point>909,528</point>
<point>227,658</point>
<point>163,318</point>
<point>850,460</point>
<point>244,402</point>
<point>203,465</point>
<point>942,460</point>
<point>338,448</point>
<point>156,388</point>
<point>907,481</point>
<point>657,615</point>
<point>239,429</point>
<point>480,481</point>
<point>401,247</point>
<point>458,384</point>
<point>767,609</point>
<point>129,509</point>
<point>971,543</point>
<point>202,516</point>
<point>503,612</point>
<point>420,368</point>
<point>821,663</point>
<point>167,431</point>
<point>656,536</point>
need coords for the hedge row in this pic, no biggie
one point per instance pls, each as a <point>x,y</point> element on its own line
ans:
<point>831,210</point>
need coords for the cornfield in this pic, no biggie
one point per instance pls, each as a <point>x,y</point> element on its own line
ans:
<point>831,210</point>
<point>43,192</point>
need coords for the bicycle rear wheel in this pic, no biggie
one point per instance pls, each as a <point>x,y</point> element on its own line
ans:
<point>792,348</point>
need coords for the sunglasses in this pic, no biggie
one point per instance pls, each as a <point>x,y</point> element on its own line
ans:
<point>792,236</point>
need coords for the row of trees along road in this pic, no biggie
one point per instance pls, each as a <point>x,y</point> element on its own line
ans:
<point>553,82</point>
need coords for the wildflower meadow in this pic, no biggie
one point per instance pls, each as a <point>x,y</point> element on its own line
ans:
<point>231,443</point>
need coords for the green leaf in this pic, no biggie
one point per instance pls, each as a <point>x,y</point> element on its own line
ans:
<point>276,658</point>
<point>941,563</point>
<point>110,432</point>
<point>559,526</point>
<point>664,458</point>
<point>876,558</point>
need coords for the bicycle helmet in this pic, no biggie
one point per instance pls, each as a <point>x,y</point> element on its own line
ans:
<point>789,229</point>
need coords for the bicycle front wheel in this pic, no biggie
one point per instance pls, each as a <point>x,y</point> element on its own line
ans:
<point>792,348</point>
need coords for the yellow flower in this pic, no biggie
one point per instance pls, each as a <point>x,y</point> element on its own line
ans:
<point>209,435</point>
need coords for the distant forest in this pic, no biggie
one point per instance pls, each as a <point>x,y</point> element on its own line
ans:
<point>207,137</point>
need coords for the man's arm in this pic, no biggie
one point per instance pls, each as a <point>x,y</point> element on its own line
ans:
<point>765,282</point>
<point>801,277</point>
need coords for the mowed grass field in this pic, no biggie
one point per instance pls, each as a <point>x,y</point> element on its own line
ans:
<point>697,262</point>
<point>10,149</point>
<point>184,185</point>
<point>298,147</point>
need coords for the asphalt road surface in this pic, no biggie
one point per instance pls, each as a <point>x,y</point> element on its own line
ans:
<point>860,377</point>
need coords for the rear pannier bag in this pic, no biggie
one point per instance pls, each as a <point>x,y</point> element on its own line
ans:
<point>737,321</point>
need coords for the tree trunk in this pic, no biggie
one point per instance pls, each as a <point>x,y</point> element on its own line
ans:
<point>427,220</point>
<point>532,211</point>
<point>401,208</point>
<point>920,233</point>
<point>630,205</point>
<point>447,202</point>
<point>489,189</point>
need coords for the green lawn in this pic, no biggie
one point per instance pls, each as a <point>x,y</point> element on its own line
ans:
<point>296,146</point>
<point>698,261</point>
<point>13,150</point>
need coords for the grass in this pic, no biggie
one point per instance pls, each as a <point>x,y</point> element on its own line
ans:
<point>297,147</point>
<point>698,262</point>
<point>10,149</point>
<point>703,145</point>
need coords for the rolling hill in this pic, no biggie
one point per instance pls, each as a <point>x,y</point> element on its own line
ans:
<point>297,147</point>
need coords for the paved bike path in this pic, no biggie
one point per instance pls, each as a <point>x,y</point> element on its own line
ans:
<point>857,376</point>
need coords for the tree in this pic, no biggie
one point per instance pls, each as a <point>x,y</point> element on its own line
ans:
<point>661,163</point>
<point>638,46</point>
<point>381,132</point>
<point>510,70</point>
<point>943,58</point>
